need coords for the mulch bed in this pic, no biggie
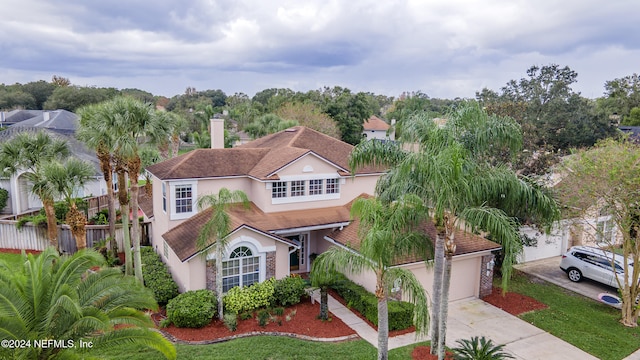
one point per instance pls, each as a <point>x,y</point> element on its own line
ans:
<point>302,323</point>
<point>19,251</point>
<point>513,303</point>
<point>374,326</point>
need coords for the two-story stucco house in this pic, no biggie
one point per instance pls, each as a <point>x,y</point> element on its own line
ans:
<point>300,187</point>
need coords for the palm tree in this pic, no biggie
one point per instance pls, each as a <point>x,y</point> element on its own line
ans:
<point>59,298</point>
<point>95,132</point>
<point>321,280</point>
<point>387,232</point>
<point>63,180</point>
<point>133,122</point>
<point>452,170</point>
<point>215,231</point>
<point>268,124</point>
<point>28,152</point>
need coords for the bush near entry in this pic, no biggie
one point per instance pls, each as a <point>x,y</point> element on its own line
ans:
<point>157,277</point>
<point>192,309</point>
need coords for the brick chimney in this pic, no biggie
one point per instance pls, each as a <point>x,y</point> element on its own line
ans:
<point>217,133</point>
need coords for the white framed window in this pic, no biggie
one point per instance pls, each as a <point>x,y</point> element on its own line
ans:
<point>164,197</point>
<point>241,269</point>
<point>182,199</point>
<point>297,188</point>
<point>333,186</point>
<point>605,230</point>
<point>279,189</point>
<point>315,186</point>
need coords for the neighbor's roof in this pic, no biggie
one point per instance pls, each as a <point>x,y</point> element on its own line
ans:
<point>375,123</point>
<point>58,120</point>
<point>78,149</point>
<point>260,158</point>
<point>182,238</point>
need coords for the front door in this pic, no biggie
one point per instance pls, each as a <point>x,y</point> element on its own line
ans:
<point>297,259</point>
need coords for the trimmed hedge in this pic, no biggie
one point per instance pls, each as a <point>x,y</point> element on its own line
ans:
<point>157,277</point>
<point>358,298</point>
<point>193,309</point>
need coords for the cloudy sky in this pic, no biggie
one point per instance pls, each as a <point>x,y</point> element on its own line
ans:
<point>445,48</point>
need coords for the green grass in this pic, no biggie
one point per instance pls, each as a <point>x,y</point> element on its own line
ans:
<point>587,324</point>
<point>12,260</point>
<point>258,347</point>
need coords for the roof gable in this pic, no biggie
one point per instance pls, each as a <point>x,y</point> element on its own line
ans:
<point>374,123</point>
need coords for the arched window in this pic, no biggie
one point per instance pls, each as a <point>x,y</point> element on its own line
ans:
<point>241,269</point>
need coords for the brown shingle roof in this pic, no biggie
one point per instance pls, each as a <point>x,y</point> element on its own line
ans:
<point>259,158</point>
<point>375,123</point>
<point>466,242</point>
<point>182,238</point>
<point>145,202</point>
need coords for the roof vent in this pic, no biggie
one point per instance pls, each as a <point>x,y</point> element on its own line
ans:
<point>291,129</point>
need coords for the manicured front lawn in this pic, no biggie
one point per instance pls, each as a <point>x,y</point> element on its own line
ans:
<point>12,260</point>
<point>589,325</point>
<point>257,347</point>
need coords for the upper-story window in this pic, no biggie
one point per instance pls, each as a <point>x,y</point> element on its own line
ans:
<point>333,186</point>
<point>297,188</point>
<point>279,189</point>
<point>164,197</point>
<point>315,187</point>
<point>309,189</point>
<point>181,198</point>
<point>184,199</point>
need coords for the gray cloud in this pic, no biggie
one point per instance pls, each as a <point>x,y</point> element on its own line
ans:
<point>446,48</point>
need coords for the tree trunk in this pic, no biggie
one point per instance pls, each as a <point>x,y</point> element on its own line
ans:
<point>175,145</point>
<point>629,312</point>
<point>383,328</point>
<point>436,299</point>
<point>123,198</point>
<point>324,303</point>
<point>134,170</point>
<point>107,172</point>
<point>77,221</point>
<point>444,305</point>
<point>219,279</point>
<point>52,222</point>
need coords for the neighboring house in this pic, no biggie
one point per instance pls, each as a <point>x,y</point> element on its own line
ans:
<point>301,190</point>
<point>376,128</point>
<point>60,124</point>
<point>632,131</point>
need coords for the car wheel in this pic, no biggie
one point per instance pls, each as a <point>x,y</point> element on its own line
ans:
<point>574,275</point>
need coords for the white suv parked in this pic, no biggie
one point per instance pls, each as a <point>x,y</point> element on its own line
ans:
<point>593,263</point>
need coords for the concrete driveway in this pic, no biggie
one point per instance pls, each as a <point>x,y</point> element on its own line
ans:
<point>549,270</point>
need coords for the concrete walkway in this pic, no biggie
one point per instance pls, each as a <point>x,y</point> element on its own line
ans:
<point>474,317</point>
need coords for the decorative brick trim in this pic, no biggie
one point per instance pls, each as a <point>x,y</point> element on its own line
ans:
<point>486,275</point>
<point>271,265</point>
<point>211,274</point>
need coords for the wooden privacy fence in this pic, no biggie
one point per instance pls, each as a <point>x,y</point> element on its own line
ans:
<point>31,237</point>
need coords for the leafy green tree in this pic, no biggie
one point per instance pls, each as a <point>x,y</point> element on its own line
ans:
<point>451,171</point>
<point>215,230</point>
<point>40,90</point>
<point>350,112</point>
<point>53,297</point>
<point>15,99</point>
<point>63,180</point>
<point>609,174</point>
<point>268,124</point>
<point>623,94</point>
<point>309,115</point>
<point>387,232</point>
<point>73,97</point>
<point>634,117</point>
<point>28,152</point>
<point>140,95</point>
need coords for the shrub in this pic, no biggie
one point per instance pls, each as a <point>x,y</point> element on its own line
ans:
<point>193,309</point>
<point>263,318</point>
<point>249,298</point>
<point>246,315</point>
<point>400,312</point>
<point>4,196</point>
<point>278,311</point>
<point>289,290</point>
<point>479,349</point>
<point>231,321</point>
<point>157,277</point>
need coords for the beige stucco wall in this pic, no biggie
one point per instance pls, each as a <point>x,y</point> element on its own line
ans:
<point>191,274</point>
<point>465,277</point>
